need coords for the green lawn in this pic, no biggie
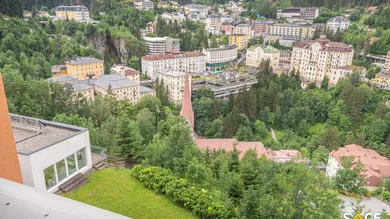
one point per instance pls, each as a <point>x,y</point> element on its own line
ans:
<point>117,191</point>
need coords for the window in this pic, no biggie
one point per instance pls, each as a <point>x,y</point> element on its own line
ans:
<point>50,177</point>
<point>71,164</point>
<point>81,158</point>
<point>61,170</point>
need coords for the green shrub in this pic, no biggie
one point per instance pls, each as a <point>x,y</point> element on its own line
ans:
<point>202,202</point>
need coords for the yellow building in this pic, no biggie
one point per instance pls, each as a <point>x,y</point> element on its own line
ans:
<point>240,40</point>
<point>387,62</point>
<point>382,80</point>
<point>59,70</point>
<point>85,68</point>
<point>77,13</point>
<point>168,4</point>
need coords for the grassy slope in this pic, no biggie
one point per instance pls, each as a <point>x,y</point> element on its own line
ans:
<point>117,191</point>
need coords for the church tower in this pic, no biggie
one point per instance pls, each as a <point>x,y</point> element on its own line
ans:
<point>186,107</point>
<point>9,162</point>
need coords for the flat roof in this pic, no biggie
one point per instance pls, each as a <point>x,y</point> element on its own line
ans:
<point>21,201</point>
<point>115,81</point>
<point>62,79</point>
<point>83,60</point>
<point>32,134</point>
<point>145,90</point>
<point>160,39</point>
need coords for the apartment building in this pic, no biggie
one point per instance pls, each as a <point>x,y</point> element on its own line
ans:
<point>285,57</point>
<point>220,56</point>
<point>387,62</point>
<point>203,10</point>
<point>242,29</point>
<point>150,27</point>
<point>315,59</point>
<point>338,23</point>
<point>227,28</point>
<point>168,4</point>
<point>128,72</point>
<point>120,86</point>
<point>173,16</point>
<point>175,82</point>
<point>213,23</point>
<point>298,14</point>
<point>376,166</point>
<point>85,67</point>
<point>193,62</point>
<point>343,71</point>
<point>160,45</point>
<point>301,30</point>
<point>257,53</point>
<point>226,18</point>
<point>382,80</point>
<point>240,40</point>
<point>260,28</point>
<point>144,5</point>
<point>194,16</point>
<point>77,13</point>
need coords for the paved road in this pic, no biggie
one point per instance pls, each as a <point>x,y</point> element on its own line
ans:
<point>372,205</point>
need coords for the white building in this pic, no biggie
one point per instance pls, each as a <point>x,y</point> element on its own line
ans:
<point>235,7</point>
<point>257,53</point>
<point>144,5</point>
<point>194,16</point>
<point>301,30</point>
<point>220,56</point>
<point>175,82</point>
<point>213,23</point>
<point>202,9</point>
<point>193,62</point>
<point>174,16</point>
<point>77,13</point>
<point>226,18</point>
<point>242,29</point>
<point>160,45</point>
<point>50,153</point>
<point>298,14</point>
<point>338,23</point>
<point>315,59</point>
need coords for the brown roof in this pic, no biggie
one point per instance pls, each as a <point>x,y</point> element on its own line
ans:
<point>228,144</point>
<point>326,45</point>
<point>172,55</point>
<point>283,156</point>
<point>131,72</point>
<point>376,165</point>
<point>186,107</point>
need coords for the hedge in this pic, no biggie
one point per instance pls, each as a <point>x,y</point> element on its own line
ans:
<point>204,203</point>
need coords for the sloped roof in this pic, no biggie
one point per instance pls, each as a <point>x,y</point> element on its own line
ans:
<point>116,82</point>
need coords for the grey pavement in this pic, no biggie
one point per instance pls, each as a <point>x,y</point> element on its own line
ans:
<point>372,205</point>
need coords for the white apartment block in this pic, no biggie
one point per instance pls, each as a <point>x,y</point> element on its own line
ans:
<point>315,59</point>
<point>213,23</point>
<point>298,14</point>
<point>338,23</point>
<point>301,30</point>
<point>161,45</point>
<point>193,62</point>
<point>77,13</point>
<point>257,53</point>
<point>202,9</point>
<point>144,5</point>
<point>242,29</point>
<point>221,55</point>
<point>226,18</point>
<point>175,82</point>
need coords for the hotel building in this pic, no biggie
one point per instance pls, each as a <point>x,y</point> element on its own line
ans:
<point>298,14</point>
<point>240,40</point>
<point>77,13</point>
<point>159,45</point>
<point>85,68</point>
<point>174,80</point>
<point>220,56</point>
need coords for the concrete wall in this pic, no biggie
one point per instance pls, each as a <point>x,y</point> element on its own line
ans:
<point>33,166</point>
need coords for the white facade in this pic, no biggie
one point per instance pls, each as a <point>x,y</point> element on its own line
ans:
<point>315,59</point>
<point>298,14</point>
<point>213,23</point>
<point>256,54</point>
<point>61,160</point>
<point>303,31</point>
<point>242,29</point>
<point>332,167</point>
<point>193,62</point>
<point>159,45</point>
<point>202,9</point>
<point>338,23</point>
<point>144,5</point>
<point>221,55</point>
<point>175,82</point>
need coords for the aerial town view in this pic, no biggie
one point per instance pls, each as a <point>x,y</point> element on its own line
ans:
<point>186,109</point>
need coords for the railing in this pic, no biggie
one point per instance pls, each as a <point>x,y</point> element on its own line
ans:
<point>99,150</point>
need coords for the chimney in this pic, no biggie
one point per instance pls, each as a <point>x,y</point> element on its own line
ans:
<point>9,162</point>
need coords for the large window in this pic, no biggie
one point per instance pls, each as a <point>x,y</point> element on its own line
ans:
<point>61,170</point>
<point>71,164</point>
<point>81,158</point>
<point>50,177</point>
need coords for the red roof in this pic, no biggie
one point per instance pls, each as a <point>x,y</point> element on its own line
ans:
<point>325,44</point>
<point>172,55</point>
<point>131,72</point>
<point>284,156</point>
<point>372,8</point>
<point>228,144</point>
<point>388,53</point>
<point>376,165</point>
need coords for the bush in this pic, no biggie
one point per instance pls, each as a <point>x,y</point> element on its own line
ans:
<point>204,203</point>
<point>367,193</point>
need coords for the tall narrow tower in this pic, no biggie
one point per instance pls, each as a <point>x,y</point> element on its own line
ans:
<point>186,107</point>
<point>9,162</point>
